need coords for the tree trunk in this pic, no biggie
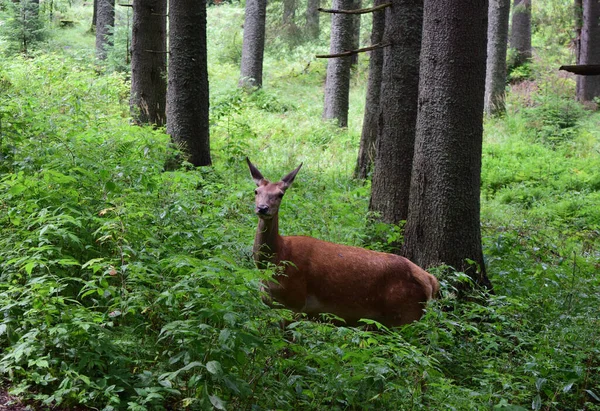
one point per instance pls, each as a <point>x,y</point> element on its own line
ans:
<point>366,152</point>
<point>312,18</point>
<point>105,22</point>
<point>443,225</point>
<point>495,78</point>
<point>337,83</point>
<point>289,11</point>
<point>520,33</point>
<point>398,110</point>
<point>578,15</point>
<point>149,62</point>
<point>253,46</point>
<point>355,32</point>
<point>588,87</point>
<point>187,93</point>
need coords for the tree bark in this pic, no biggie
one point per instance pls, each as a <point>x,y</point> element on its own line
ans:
<point>366,152</point>
<point>312,18</point>
<point>253,46</point>
<point>105,22</point>
<point>495,78</point>
<point>337,83</point>
<point>187,92</point>
<point>443,225</point>
<point>588,87</point>
<point>520,34</point>
<point>149,62</point>
<point>398,111</point>
<point>355,32</point>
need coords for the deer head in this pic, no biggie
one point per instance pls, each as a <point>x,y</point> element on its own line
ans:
<point>268,195</point>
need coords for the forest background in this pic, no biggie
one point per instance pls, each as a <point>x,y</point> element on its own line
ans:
<point>125,286</point>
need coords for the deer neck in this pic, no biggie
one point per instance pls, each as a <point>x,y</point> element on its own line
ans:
<point>267,243</point>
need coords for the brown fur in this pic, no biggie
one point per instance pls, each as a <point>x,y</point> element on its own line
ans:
<point>323,277</point>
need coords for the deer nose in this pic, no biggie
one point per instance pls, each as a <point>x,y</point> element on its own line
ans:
<point>262,209</point>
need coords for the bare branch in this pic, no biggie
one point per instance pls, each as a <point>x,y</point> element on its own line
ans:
<point>351,52</point>
<point>583,69</point>
<point>125,5</point>
<point>358,11</point>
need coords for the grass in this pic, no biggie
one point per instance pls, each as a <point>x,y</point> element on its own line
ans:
<point>123,286</point>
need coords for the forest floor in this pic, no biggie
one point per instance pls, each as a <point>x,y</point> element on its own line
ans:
<point>10,403</point>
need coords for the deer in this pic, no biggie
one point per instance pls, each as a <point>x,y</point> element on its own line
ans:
<point>316,277</point>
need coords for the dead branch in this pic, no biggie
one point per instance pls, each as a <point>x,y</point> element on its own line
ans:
<point>358,11</point>
<point>351,52</point>
<point>583,69</point>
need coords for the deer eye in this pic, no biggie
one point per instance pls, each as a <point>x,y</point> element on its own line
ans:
<point>256,192</point>
<point>280,195</point>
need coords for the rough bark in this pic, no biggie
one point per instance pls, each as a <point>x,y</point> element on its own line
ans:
<point>312,18</point>
<point>495,77</point>
<point>337,83</point>
<point>253,46</point>
<point>520,33</point>
<point>398,111</point>
<point>187,92</point>
<point>366,152</point>
<point>355,32</point>
<point>105,21</point>
<point>443,225</point>
<point>588,87</point>
<point>149,62</point>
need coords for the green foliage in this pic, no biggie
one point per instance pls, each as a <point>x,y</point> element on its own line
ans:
<point>22,28</point>
<point>125,286</point>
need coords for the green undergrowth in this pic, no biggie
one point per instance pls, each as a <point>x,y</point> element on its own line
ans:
<point>125,286</point>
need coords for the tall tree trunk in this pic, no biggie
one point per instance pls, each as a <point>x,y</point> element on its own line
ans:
<point>520,33</point>
<point>443,225</point>
<point>495,77</point>
<point>337,83</point>
<point>149,61</point>
<point>289,11</point>
<point>312,18</point>
<point>253,46</point>
<point>366,152</point>
<point>187,93</point>
<point>105,22</point>
<point>94,16</point>
<point>398,110</point>
<point>578,15</point>
<point>355,32</point>
<point>588,87</point>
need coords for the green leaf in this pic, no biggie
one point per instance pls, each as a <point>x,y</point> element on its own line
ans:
<point>214,367</point>
<point>217,402</point>
<point>29,267</point>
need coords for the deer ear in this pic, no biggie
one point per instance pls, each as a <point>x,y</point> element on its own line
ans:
<point>256,175</point>
<point>289,179</point>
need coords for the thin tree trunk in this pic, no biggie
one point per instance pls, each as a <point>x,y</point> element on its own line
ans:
<point>149,61</point>
<point>253,47</point>
<point>398,110</point>
<point>443,225</point>
<point>187,93</point>
<point>520,33</point>
<point>312,18</point>
<point>105,22</point>
<point>366,152</point>
<point>337,83</point>
<point>588,87</point>
<point>289,11</point>
<point>356,33</point>
<point>495,79</point>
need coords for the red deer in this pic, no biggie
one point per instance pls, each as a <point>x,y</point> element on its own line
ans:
<point>315,276</point>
